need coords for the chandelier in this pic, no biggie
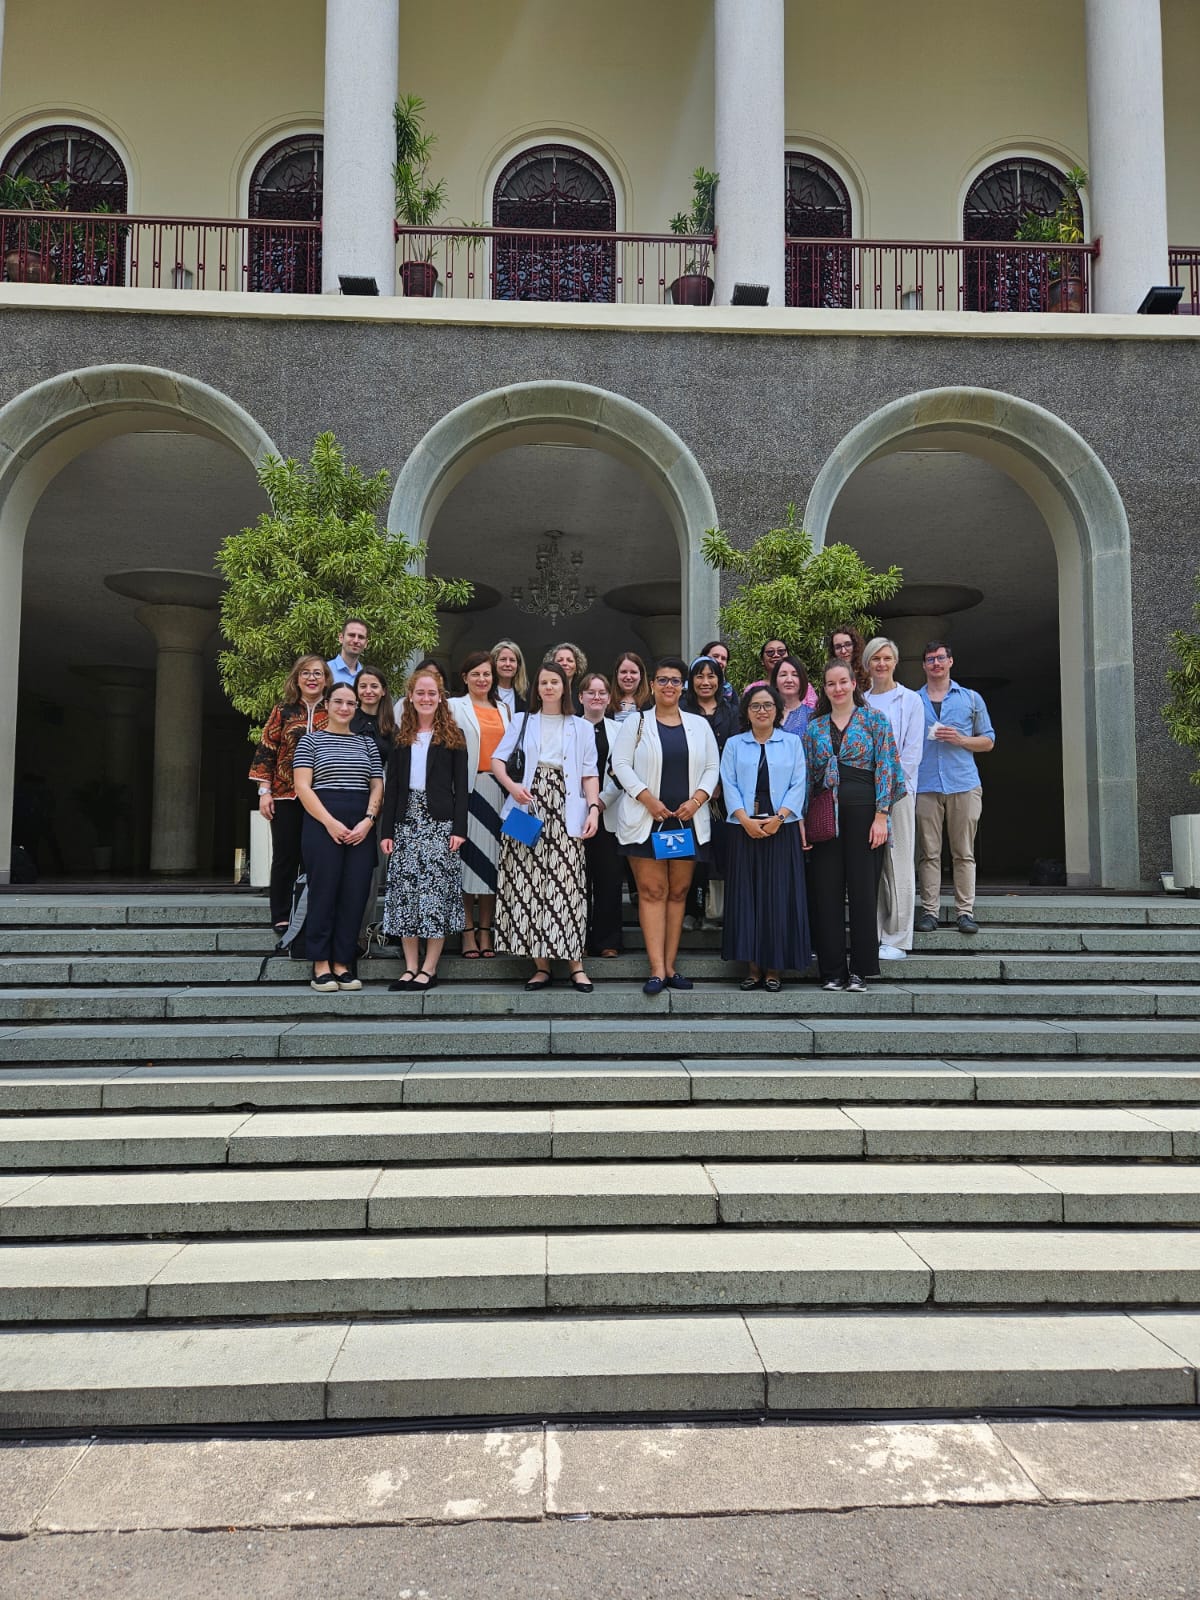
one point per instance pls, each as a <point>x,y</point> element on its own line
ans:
<point>554,591</point>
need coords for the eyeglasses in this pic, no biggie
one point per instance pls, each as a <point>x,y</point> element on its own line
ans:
<point>846,648</point>
<point>936,661</point>
<point>762,705</point>
<point>601,694</point>
<point>669,683</point>
<point>774,655</point>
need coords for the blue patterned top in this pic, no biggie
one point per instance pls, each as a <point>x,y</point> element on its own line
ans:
<point>867,743</point>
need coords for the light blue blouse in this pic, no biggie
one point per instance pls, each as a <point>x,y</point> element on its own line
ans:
<point>785,764</point>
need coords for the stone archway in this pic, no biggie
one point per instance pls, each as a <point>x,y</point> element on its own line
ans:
<point>43,429</point>
<point>1073,490</point>
<point>530,413</point>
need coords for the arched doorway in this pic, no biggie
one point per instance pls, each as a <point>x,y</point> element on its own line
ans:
<point>816,206</point>
<point>1076,502</point>
<point>556,188</point>
<point>995,205</point>
<point>546,457</point>
<point>287,185</point>
<point>98,469</point>
<point>86,173</point>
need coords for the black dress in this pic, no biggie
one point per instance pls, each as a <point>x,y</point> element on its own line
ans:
<point>675,788</point>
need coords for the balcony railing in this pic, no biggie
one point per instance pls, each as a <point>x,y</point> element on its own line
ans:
<point>1185,271</point>
<point>88,247</point>
<point>913,275</point>
<point>544,264</point>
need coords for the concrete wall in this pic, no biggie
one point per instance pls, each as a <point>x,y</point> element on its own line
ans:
<point>760,413</point>
<point>907,100</point>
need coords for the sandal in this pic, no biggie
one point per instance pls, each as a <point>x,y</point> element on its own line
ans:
<point>485,929</point>
<point>773,985</point>
<point>473,953</point>
<point>749,983</point>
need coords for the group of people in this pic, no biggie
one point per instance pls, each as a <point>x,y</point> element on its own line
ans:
<point>516,812</point>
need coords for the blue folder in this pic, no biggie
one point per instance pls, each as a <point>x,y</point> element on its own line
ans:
<point>520,825</point>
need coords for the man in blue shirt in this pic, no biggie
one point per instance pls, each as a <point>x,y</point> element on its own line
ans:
<point>949,794</point>
<point>347,665</point>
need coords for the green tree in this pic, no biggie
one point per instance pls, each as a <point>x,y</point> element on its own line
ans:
<point>1182,711</point>
<point>317,557</point>
<point>789,591</point>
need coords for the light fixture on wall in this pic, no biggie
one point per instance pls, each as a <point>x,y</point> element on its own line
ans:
<point>356,285</point>
<point>553,590</point>
<point>1161,301</point>
<point>750,294</point>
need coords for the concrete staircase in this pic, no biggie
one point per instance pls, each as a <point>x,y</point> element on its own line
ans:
<point>226,1199</point>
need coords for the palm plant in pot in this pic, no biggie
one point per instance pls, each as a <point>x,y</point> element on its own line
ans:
<point>694,287</point>
<point>1063,226</point>
<point>418,203</point>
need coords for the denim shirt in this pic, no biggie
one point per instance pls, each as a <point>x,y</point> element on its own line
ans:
<point>948,768</point>
<point>785,765</point>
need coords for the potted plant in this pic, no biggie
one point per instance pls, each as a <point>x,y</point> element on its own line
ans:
<point>105,804</point>
<point>1063,226</point>
<point>693,287</point>
<point>418,203</point>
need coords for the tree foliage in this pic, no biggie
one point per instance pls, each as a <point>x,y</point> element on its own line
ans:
<point>1182,711</point>
<point>789,591</point>
<point>317,557</point>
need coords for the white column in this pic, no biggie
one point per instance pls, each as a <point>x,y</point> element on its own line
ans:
<point>1126,156</point>
<point>1,45</point>
<point>180,633</point>
<point>362,50</point>
<point>750,133</point>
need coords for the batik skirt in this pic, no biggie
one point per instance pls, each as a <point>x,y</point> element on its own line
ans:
<point>541,909</point>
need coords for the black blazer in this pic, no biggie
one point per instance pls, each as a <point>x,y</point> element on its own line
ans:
<point>446,790</point>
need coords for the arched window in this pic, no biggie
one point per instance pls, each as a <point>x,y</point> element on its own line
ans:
<point>993,209</point>
<point>286,186</point>
<point>816,206</point>
<point>88,175</point>
<point>559,188</point>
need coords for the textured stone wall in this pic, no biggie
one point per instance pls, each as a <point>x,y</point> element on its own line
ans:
<point>760,414</point>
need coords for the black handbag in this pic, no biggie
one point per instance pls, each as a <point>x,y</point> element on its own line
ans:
<point>515,765</point>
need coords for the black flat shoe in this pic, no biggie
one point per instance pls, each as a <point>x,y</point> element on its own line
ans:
<point>748,984</point>
<point>404,981</point>
<point>430,980</point>
<point>540,980</point>
<point>773,985</point>
<point>580,984</point>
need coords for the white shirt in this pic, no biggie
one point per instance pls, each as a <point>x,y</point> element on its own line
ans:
<point>419,758</point>
<point>578,759</point>
<point>906,713</point>
<point>551,752</point>
<point>509,696</point>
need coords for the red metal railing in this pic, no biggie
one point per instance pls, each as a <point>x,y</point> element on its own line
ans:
<point>161,252</point>
<point>905,274</point>
<point>1185,271</point>
<point>543,264</point>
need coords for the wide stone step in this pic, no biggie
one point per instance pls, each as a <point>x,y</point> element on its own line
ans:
<point>143,1376</point>
<point>699,1267</point>
<point>565,1194</point>
<point>727,1131</point>
<point>221,1085</point>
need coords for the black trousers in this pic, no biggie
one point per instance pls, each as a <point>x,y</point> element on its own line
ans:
<point>339,876</point>
<point>287,826</point>
<point>840,870</point>
<point>605,877</point>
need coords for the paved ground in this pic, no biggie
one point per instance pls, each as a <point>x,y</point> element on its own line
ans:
<point>1030,1508</point>
<point>1138,1552</point>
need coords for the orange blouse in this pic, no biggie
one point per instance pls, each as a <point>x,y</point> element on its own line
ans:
<point>491,731</point>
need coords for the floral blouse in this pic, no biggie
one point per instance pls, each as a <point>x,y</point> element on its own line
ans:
<point>866,743</point>
<point>284,729</point>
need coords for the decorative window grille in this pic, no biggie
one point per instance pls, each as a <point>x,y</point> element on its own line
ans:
<point>994,207</point>
<point>816,206</point>
<point>557,188</point>
<point>286,186</point>
<point>95,180</point>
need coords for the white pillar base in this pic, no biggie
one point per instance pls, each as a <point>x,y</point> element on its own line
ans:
<point>261,849</point>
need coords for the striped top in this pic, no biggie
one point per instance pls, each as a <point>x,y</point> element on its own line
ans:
<point>339,760</point>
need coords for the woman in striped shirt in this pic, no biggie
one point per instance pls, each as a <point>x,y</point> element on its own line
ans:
<point>339,782</point>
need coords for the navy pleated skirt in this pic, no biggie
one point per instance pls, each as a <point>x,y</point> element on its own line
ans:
<point>766,909</point>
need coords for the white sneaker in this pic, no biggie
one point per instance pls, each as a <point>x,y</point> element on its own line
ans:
<point>890,952</point>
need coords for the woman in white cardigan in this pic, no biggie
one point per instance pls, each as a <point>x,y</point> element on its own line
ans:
<point>667,764</point>
<point>541,902</point>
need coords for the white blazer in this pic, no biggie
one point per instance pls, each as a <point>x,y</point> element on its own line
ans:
<point>463,713</point>
<point>637,765</point>
<point>579,762</point>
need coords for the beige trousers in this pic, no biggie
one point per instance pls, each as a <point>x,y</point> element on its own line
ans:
<point>956,815</point>
<point>897,887</point>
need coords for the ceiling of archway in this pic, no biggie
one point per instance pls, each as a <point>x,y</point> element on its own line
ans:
<point>163,499</point>
<point>492,522</point>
